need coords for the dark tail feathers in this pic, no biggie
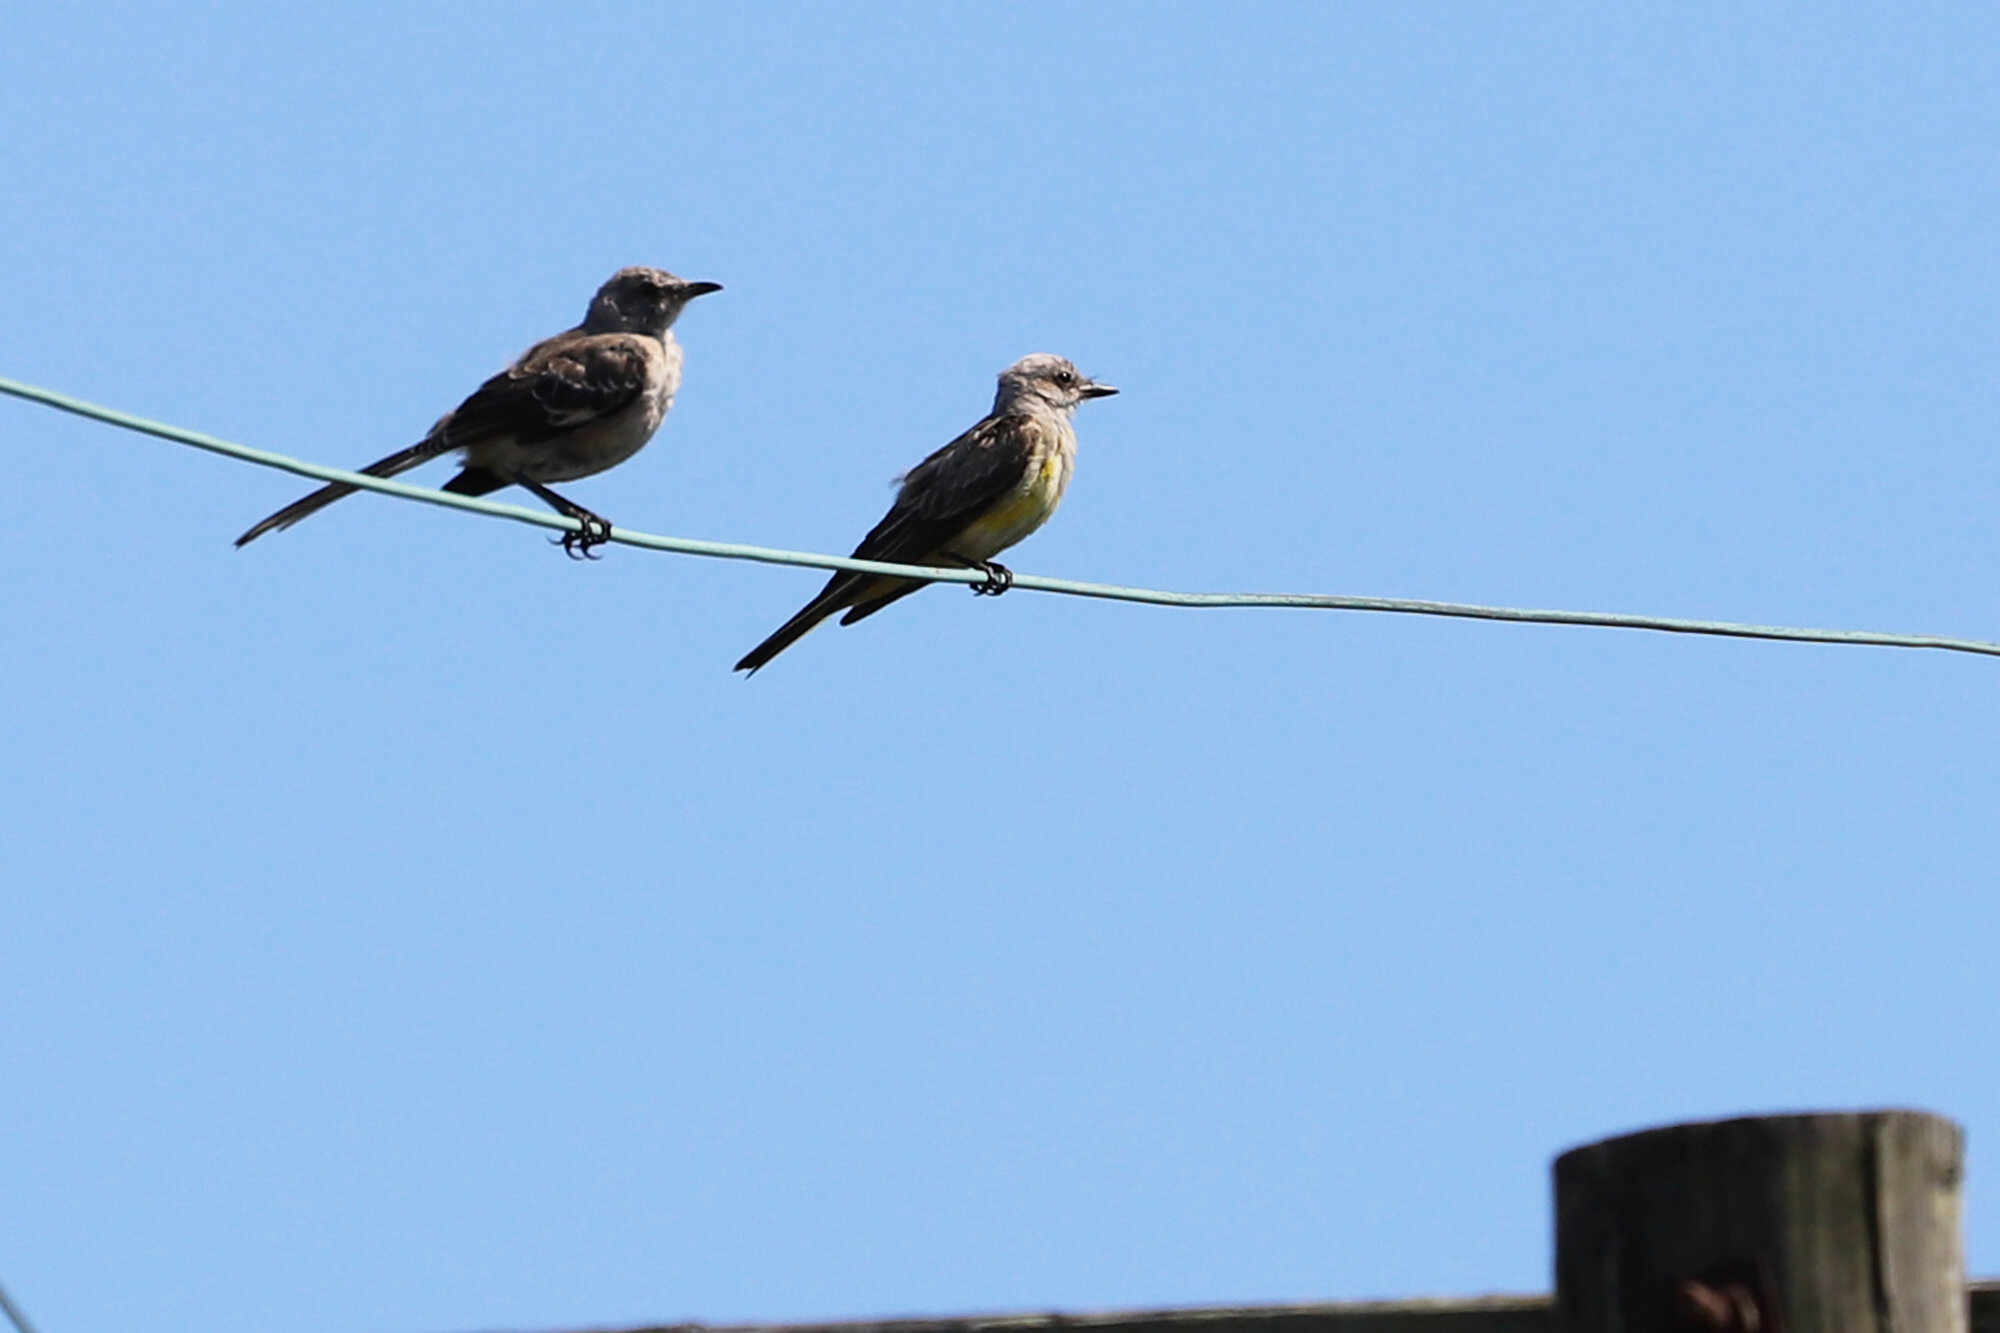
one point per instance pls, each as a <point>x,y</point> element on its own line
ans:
<point>401,461</point>
<point>860,595</point>
<point>789,633</point>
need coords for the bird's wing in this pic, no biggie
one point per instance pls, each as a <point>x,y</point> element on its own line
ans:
<point>946,492</point>
<point>556,386</point>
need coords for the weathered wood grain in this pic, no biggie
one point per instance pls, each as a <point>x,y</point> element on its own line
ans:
<point>1840,1223</point>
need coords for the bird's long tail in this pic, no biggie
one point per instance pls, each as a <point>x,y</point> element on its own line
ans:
<point>401,461</point>
<point>830,600</point>
<point>857,594</point>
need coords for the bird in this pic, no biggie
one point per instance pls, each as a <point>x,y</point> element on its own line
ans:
<point>966,503</point>
<point>570,406</point>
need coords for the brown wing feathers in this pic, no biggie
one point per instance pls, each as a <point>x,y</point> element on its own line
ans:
<point>558,385</point>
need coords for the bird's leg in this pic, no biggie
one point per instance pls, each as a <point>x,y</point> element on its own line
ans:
<point>594,531</point>
<point>999,578</point>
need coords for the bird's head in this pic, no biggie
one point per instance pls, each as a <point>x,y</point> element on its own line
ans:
<point>642,300</point>
<point>1049,381</point>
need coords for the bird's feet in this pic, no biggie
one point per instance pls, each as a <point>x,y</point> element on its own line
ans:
<point>999,578</point>
<point>592,532</point>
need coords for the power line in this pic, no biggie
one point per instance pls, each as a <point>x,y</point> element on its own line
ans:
<point>1033,582</point>
<point>15,1314</point>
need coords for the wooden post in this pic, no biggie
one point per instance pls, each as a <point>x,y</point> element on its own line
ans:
<point>1774,1224</point>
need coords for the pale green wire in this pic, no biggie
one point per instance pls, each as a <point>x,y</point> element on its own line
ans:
<point>15,1315</point>
<point>1032,582</point>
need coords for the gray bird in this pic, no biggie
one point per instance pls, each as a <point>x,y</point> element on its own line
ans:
<point>967,502</point>
<point>571,406</point>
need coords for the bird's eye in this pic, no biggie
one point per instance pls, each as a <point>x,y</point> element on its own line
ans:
<point>1065,378</point>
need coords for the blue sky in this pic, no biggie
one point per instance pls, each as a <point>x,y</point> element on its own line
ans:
<point>407,928</point>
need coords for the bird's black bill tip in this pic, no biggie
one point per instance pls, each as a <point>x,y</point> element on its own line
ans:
<point>1098,390</point>
<point>695,289</point>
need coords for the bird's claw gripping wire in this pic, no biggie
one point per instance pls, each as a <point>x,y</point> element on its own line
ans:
<point>592,533</point>
<point>999,578</point>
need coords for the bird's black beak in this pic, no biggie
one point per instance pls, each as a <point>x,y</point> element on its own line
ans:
<point>694,289</point>
<point>1096,390</point>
